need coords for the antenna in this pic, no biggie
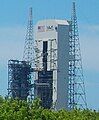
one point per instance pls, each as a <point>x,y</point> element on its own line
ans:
<point>28,49</point>
<point>77,96</point>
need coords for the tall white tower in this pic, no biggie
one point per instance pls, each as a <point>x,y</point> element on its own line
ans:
<point>52,63</point>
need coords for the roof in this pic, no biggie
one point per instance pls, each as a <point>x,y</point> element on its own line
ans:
<point>55,21</point>
<point>63,22</point>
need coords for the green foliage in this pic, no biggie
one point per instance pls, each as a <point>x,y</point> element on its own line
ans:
<point>21,110</point>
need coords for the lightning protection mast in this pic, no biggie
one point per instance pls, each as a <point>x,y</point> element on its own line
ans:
<point>28,54</point>
<point>77,96</point>
<point>28,48</point>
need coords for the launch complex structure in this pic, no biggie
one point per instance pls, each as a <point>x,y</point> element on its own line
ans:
<point>51,68</point>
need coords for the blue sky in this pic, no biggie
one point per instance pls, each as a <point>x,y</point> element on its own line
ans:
<point>13,23</point>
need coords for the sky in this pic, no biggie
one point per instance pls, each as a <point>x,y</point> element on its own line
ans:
<point>13,24</point>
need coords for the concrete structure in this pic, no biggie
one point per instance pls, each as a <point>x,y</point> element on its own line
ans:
<point>55,33</point>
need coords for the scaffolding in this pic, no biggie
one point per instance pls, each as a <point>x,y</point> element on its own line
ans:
<point>43,88</point>
<point>46,68</point>
<point>19,79</point>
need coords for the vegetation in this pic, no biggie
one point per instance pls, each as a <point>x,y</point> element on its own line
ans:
<point>21,110</point>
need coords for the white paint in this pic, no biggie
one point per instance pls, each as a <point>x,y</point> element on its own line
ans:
<point>56,32</point>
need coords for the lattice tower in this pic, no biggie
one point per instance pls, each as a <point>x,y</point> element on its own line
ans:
<point>28,49</point>
<point>77,96</point>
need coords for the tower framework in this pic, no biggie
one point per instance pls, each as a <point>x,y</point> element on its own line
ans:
<point>77,96</point>
<point>19,75</point>
<point>28,49</point>
<point>28,54</point>
<point>19,72</point>
<point>57,53</point>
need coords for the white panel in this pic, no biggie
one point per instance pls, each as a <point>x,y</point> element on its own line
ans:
<point>63,66</point>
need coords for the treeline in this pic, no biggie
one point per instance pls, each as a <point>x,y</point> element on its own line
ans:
<point>21,110</point>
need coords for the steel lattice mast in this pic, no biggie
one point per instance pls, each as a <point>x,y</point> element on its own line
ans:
<point>28,54</point>
<point>77,96</point>
<point>28,49</point>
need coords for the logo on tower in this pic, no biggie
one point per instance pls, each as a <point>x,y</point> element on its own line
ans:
<point>46,28</point>
<point>41,28</point>
<point>50,28</point>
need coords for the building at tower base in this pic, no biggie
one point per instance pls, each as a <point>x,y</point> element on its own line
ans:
<point>19,79</point>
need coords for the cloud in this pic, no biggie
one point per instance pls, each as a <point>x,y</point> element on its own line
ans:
<point>11,42</point>
<point>89,39</point>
